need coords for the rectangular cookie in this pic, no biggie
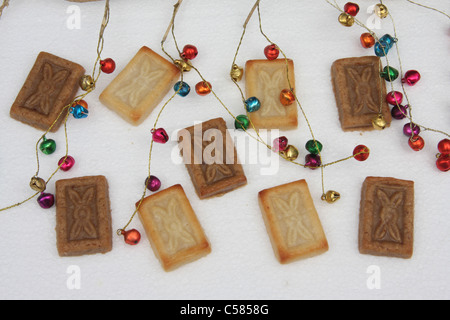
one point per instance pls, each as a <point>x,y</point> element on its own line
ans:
<point>386,224</point>
<point>292,222</point>
<point>51,85</point>
<point>359,91</point>
<point>211,159</point>
<point>174,232</point>
<point>83,216</point>
<point>141,86</point>
<point>265,80</point>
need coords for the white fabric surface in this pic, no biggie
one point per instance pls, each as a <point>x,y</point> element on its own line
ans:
<point>242,264</point>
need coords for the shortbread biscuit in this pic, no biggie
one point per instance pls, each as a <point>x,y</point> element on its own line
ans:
<point>83,216</point>
<point>386,225</point>
<point>360,92</point>
<point>292,222</point>
<point>266,80</point>
<point>141,86</point>
<point>211,158</point>
<point>175,234</point>
<point>51,85</point>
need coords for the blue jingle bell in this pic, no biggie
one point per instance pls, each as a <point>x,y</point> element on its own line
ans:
<point>182,88</point>
<point>252,104</point>
<point>79,112</point>
<point>385,44</point>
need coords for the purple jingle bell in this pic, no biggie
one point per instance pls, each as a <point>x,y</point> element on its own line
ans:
<point>313,161</point>
<point>399,112</point>
<point>46,200</point>
<point>153,183</point>
<point>411,130</point>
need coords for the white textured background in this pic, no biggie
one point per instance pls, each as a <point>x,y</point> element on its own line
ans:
<point>242,264</point>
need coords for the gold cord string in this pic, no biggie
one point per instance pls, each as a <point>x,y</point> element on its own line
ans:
<point>408,114</point>
<point>3,6</point>
<point>171,29</point>
<point>431,8</point>
<point>65,111</point>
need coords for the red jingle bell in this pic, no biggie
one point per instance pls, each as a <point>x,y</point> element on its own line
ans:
<point>351,8</point>
<point>131,237</point>
<point>271,52</point>
<point>108,65</point>
<point>190,52</point>
<point>361,153</point>
<point>416,143</point>
<point>160,136</point>
<point>444,146</point>
<point>443,162</point>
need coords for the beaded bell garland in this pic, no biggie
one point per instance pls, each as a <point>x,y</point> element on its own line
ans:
<point>288,152</point>
<point>79,109</point>
<point>399,111</point>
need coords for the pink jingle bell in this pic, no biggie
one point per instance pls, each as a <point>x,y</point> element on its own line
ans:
<point>66,163</point>
<point>394,98</point>
<point>411,77</point>
<point>160,136</point>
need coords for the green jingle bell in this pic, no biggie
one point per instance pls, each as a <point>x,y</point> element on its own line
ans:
<point>314,147</point>
<point>48,146</point>
<point>242,122</point>
<point>389,74</point>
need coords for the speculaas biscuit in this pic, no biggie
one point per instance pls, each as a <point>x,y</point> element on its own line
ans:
<point>386,226</point>
<point>211,158</point>
<point>51,85</point>
<point>360,92</point>
<point>292,222</point>
<point>83,216</point>
<point>174,232</point>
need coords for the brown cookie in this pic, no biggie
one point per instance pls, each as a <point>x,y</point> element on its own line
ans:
<point>51,85</point>
<point>292,222</point>
<point>211,158</point>
<point>174,232</point>
<point>386,225</point>
<point>360,92</point>
<point>83,216</point>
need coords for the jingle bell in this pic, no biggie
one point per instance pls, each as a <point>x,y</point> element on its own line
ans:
<point>331,196</point>
<point>87,83</point>
<point>346,20</point>
<point>291,153</point>
<point>38,184</point>
<point>237,73</point>
<point>379,123</point>
<point>184,66</point>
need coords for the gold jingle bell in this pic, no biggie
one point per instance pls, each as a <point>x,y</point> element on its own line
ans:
<point>291,153</point>
<point>379,123</point>
<point>331,196</point>
<point>381,11</point>
<point>237,73</point>
<point>38,184</point>
<point>87,83</point>
<point>346,20</point>
<point>184,66</point>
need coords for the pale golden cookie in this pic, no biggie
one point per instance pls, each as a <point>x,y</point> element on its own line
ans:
<point>266,80</point>
<point>292,222</point>
<point>141,86</point>
<point>175,234</point>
